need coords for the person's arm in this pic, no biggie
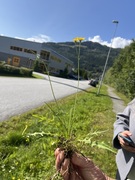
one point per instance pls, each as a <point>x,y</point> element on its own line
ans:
<point>121,124</point>
<point>124,144</point>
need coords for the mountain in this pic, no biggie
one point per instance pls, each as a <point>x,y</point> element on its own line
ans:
<point>92,55</point>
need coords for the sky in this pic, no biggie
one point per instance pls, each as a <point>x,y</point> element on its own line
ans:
<point>63,20</point>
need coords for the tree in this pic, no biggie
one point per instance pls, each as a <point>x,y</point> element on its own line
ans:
<point>36,65</point>
<point>122,73</point>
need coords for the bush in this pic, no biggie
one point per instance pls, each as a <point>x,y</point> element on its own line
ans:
<point>2,62</point>
<point>11,69</point>
<point>17,71</point>
<point>26,72</point>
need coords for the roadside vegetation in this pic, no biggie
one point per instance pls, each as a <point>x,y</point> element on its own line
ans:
<point>8,70</point>
<point>28,141</point>
<point>12,71</point>
<point>122,74</point>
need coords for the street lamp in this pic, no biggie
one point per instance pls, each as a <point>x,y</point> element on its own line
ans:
<point>115,22</point>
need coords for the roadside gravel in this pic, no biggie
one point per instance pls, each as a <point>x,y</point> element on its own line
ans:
<point>118,103</point>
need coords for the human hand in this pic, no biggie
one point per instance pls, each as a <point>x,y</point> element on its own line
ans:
<point>126,145</point>
<point>77,167</point>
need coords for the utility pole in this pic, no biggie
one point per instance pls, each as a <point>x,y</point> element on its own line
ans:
<point>102,77</point>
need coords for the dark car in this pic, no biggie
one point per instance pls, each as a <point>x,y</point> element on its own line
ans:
<point>93,82</point>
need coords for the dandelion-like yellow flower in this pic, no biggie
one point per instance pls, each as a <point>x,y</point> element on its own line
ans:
<point>78,39</point>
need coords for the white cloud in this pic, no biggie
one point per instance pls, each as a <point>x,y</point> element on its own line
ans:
<point>40,38</point>
<point>119,42</point>
<point>116,42</point>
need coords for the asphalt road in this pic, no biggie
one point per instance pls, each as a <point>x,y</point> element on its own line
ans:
<point>18,95</point>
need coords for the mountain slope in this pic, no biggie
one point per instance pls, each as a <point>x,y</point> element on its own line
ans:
<point>93,55</point>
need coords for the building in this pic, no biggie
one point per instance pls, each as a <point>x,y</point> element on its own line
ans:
<point>23,53</point>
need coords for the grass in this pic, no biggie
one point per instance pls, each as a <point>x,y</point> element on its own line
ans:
<point>37,76</point>
<point>28,141</point>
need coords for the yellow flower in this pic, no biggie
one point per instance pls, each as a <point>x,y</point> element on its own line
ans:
<point>78,39</point>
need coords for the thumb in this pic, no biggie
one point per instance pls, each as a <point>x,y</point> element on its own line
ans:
<point>127,133</point>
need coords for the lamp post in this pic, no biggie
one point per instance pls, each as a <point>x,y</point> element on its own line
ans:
<point>115,22</point>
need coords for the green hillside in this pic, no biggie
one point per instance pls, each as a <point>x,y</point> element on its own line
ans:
<point>93,55</point>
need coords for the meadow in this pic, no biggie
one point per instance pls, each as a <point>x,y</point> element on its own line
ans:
<point>82,122</point>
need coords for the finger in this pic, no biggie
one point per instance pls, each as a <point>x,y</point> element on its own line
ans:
<point>59,160</point>
<point>64,170</point>
<point>57,151</point>
<point>122,142</point>
<point>126,133</point>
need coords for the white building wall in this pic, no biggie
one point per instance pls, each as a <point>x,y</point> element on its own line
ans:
<point>7,42</point>
<point>60,62</point>
<point>55,64</point>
